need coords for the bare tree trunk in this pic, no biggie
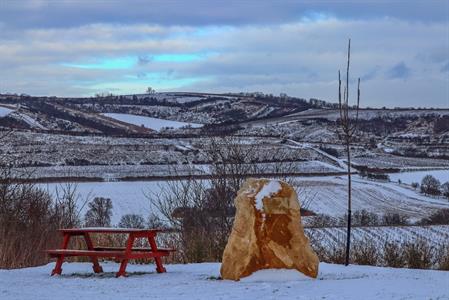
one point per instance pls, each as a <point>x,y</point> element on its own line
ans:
<point>348,234</point>
<point>348,127</point>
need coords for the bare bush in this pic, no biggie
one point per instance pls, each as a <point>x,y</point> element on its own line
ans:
<point>202,211</point>
<point>362,218</point>
<point>132,221</point>
<point>336,254</point>
<point>29,219</point>
<point>68,201</point>
<point>392,255</point>
<point>322,220</point>
<point>28,224</point>
<point>418,254</point>
<point>442,257</point>
<point>439,217</point>
<point>391,219</point>
<point>365,252</point>
<point>445,189</point>
<point>99,212</point>
<point>201,216</point>
<point>430,185</point>
<point>365,218</point>
<point>330,252</point>
<point>154,222</point>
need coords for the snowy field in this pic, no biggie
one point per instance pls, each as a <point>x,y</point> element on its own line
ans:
<point>328,195</point>
<point>435,235</point>
<point>198,281</point>
<point>325,194</point>
<point>148,122</point>
<point>117,172</point>
<point>4,111</point>
<point>127,197</point>
<point>417,176</point>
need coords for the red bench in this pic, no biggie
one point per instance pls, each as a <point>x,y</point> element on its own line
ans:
<point>124,254</point>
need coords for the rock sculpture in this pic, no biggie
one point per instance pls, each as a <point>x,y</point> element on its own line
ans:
<point>267,232</point>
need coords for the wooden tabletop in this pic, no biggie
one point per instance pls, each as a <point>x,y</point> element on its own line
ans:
<point>107,230</point>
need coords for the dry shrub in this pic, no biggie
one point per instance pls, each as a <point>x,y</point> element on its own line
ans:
<point>418,254</point>
<point>328,251</point>
<point>442,257</point>
<point>394,219</point>
<point>28,224</point>
<point>336,254</point>
<point>29,219</point>
<point>392,255</point>
<point>316,239</point>
<point>202,211</point>
<point>365,252</point>
<point>439,217</point>
<point>321,221</point>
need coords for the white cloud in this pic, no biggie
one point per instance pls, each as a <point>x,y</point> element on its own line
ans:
<point>301,58</point>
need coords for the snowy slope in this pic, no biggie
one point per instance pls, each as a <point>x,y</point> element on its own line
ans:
<point>328,195</point>
<point>417,176</point>
<point>148,122</point>
<point>197,281</point>
<point>4,111</point>
<point>325,195</point>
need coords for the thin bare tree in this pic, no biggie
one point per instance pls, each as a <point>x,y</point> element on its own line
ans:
<point>346,133</point>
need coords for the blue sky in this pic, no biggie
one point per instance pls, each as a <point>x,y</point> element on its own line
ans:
<point>80,48</point>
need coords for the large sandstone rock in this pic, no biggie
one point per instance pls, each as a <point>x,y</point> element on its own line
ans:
<point>267,232</point>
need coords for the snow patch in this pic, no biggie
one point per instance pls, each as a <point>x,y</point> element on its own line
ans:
<point>272,187</point>
<point>29,120</point>
<point>4,111</point>
<point>151,123</point>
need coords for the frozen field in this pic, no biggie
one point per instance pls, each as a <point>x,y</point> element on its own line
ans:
<point>435,235</point>
<point>417,176</point>
<point>326,195</point>
<point>197,281</point>
<point>156,171</point>
<point>4,111</point>
<point>127,197</point>
<point>151,123</point>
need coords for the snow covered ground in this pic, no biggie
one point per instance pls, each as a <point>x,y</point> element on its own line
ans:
<point>434,235</point>
<point>417,176</point>
<point>4,111</point>
<point>328,195</point>
<point>324,194</point>
<point>198,281</point>
<point>151,123</point>
<point>127,197</point>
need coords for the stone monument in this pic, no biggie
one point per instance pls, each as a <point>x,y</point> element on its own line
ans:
<point>267,232</point>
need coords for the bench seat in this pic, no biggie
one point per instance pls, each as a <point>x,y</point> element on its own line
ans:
<point>107,253</point>
<point>133,249</point>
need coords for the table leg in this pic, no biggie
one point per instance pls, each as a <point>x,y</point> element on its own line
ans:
<point>124,263</point>
<point>159,267</point>
<point>58,267</point>
<point>90,246</point>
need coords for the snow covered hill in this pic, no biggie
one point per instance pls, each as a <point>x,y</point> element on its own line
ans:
<point>151,123</point>
<point>199,281</point>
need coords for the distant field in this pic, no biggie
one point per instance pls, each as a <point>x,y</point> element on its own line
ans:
<point>4,111</point>
<point>326,195</point>
<point>417,176</point>
<point>435,235</point>
<point>329,196</point>
<point>148,122</point>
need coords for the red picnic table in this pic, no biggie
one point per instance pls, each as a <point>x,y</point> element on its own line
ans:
<point>124,254</point>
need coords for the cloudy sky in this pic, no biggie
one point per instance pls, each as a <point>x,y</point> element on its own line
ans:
<point>400,49</point>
